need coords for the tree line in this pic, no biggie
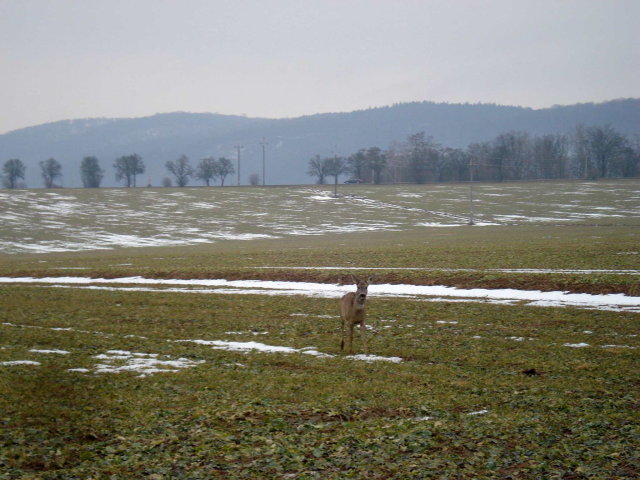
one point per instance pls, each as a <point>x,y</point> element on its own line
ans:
<point>589,153</point>
<point>127,168</point>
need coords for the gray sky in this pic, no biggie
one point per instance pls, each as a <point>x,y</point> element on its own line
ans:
<point>63,59</point>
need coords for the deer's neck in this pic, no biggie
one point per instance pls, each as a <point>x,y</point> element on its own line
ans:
<point>358,305</point>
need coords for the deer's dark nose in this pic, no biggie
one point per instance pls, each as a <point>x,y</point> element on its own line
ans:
<point>363,297</point>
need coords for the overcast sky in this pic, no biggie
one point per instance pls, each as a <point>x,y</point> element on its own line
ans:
<point>64,59</point>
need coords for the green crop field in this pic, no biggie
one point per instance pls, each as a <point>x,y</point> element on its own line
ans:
<point>107,375</point>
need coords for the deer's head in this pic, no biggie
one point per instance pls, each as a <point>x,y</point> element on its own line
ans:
<point>361,293</point>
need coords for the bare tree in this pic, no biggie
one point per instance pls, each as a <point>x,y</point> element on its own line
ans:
<point>510,155</point>
<point>423,154</point>
<point>13,170</point>
<point>550,155</point>
<point>479,158</point>
<point>51,169</point>
<point>605,145</point>
<point>127,167</point>
<point>317,168</point>
<point>397,160</point>
<point>357,163</point>
<point>224,167</point>
<point>181,170</point>
<point>632,164</point>
<point>377,162</point>
<point>334,167</point>
<point>579,158</point>
<point>455,164</point>
<point>206,170</point>
<point>91,172</point>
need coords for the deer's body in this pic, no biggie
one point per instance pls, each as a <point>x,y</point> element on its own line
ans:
<point>353,312</point>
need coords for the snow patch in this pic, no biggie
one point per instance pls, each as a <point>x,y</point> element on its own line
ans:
<point>56,351</point>
<point>612,302</point>
<point>374,358</point>
<point>20,362</point>
<point>248,347</point>
<point>479,412</point>
<point>117,361</point>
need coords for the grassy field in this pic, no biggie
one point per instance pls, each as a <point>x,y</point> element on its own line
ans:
<point>146,384</point>
<point>49,221</point>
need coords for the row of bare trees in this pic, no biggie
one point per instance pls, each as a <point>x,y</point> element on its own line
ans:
<point>208,170</point>
<point>369,163</point>
<point>127,168</point>
<point>589,153</point>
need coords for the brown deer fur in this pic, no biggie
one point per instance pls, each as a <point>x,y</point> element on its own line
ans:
<point>353,312</point>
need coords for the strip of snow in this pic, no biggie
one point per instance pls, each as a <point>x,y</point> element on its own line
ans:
<point>315,353</point>
<point>246,347</point>
<point>542,271</point>
<point>242,346</point>
<point>564,301</point>
<point>614,302</point>
<point>576,345</point>
<point>479,412</point>
<point>20,362</point>
<point>246,333</point>
<point>440,225</point>
<point>56,351</point>
<point>374,358</point>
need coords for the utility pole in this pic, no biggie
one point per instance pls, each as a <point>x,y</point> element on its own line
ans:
<point>238,148</point>
<point>471,222</point>
<point>335,187</point>
<point>264,143</point>
<point>335,166</point>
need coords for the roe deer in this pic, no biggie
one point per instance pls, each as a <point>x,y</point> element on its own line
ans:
<point>352,312</point>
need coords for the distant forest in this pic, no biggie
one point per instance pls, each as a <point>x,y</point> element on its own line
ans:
<point>590,153</point>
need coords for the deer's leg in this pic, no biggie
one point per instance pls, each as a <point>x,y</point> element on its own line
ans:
<point>351,338</point>
<point>363,337</point>
<point>342,334</point>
